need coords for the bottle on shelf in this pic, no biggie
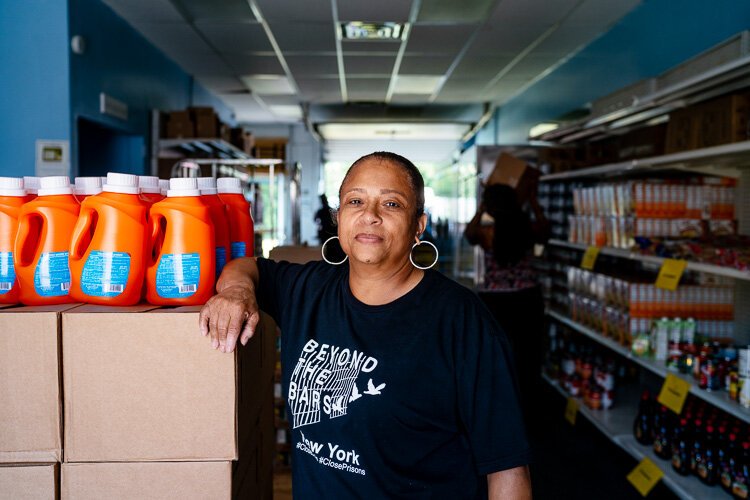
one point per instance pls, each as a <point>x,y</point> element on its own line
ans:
<point>728,462</point>
<point>696,450</point>
<point>12,198</point>
<point>681,444</point>
<point>742,473</point>
<point>663,434</point>
<point>708,463</point>
<point>643,425</point>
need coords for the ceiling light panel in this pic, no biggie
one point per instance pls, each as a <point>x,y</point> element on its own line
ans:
<point>406,131</point>
<point>417,84</point>
<point>268,84</point>
<point>381,11</point>
<point>286,111</point>
<point>235,37</point>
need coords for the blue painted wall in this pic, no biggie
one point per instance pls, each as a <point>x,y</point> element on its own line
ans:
<point>655,36</point>
<point>121,63</point>
<point>34,84</point>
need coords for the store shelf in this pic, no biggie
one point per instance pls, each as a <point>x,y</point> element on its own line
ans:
<point>626,254</point>
<point>708,160</point>
<point>616,424</point>
<point>719,399</point>
<point>210,146</point>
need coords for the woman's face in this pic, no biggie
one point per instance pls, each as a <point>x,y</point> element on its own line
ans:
<point>376,219</point>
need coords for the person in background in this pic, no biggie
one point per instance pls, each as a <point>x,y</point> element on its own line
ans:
<point>397,379</point>
<point>511,290</point>
<point>324,220</point>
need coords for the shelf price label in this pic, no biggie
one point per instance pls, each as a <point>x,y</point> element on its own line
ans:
<point>645,476</point>
<point>571,411</point>
<point>589,258</point>
<point>673,393</point>
<point>670,274</point>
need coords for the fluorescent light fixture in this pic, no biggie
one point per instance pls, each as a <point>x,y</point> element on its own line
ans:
<point>393,131</point>
<point>268,84</point>
<point>286,111</point>
<point>360,30</point>
<point>417,84</point>
<point>542,128</point>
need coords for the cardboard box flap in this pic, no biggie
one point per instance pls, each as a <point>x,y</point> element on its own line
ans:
<point>29,482</point>
<point>57,308</point>
<point>511,171</point>
<point>93,308</point>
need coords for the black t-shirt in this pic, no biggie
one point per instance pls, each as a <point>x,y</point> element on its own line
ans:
<point>411,399</point>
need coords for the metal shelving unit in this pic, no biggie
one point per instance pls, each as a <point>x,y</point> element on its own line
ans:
<point>727,272</point>
<point>719,399</point>
<point>616,423</point>
<point>218,148</point>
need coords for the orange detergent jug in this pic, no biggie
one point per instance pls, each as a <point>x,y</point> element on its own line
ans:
<point>150,191</point>
<point>182,268</point>
<point>108,248</point>
<point>241,231</point>
<point>12,198</point>
<point>163,187</point>
<point>42,243</point>
<point>217,210</point>
<point>31,186</point>
<point>87,186</point>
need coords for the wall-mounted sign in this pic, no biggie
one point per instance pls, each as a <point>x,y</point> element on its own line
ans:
<point>108,105</point>
<point>52,158</point>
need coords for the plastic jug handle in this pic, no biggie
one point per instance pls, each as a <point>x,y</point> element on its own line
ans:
<point>81,228</point>
<point>153,235</point>
<point>24,229</point>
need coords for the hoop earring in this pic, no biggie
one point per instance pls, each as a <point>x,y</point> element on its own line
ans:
<point>323,252</point>
<point>411,259</point>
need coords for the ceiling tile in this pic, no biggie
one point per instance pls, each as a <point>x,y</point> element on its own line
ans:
<point>473,87</point>
<point>320,90</point>
<point>531,65</point>
<point>146,10</point>
<point>410,98</point>
<point>312,66</point>
<point>370,47</point>
<point>531,12</point>
<point>235,37</point>
<point>280,100</point>
<point>477,68</point>
<point>294,10</point>
<point>465,11</point>
<point>380,11</point>
<point>244,64</point>
<point>202,64</point>
<point>228,10</point>
<point>221,84</point>
<point>369,65</point>
<point>507,40</point>
<point>305,36</point>
<point>445,39</point>
<point>600,14</point>
<point>367,89</point>
<point>425,65</point>
<point>169,37</point>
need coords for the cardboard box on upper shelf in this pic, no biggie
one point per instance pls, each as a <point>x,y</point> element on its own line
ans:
<point>144,385</point>
<point>30,395</point>
<point>29,481</point>
<point>513,172</point>
<point>147,481</point>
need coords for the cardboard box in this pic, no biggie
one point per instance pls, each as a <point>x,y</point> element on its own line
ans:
<point>682,130</point>
<point>207,126</point>
<point>513,172</point>
<point>145,386</point>
<point>30,395</point>
<point>724,120</point>
<point>196,112</point>
<point>147,481</point>
<point>28,482</point>
<point>180,129</point>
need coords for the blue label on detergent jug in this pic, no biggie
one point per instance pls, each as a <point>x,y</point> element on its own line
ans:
<point>239,249</point>
<point>221,259</point>
<point>105,274</point>
<point>178,275</point>
<point>52,275</point>
<point>7,273</point>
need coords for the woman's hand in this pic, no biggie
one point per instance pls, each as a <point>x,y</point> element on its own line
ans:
<point>230,315</point>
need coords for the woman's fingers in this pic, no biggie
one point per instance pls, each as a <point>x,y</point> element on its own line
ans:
<point>227,318</point>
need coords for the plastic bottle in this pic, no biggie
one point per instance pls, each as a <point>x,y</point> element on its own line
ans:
<point>708,466</point>
<point>728,462</point>
<point>87,186</point>
<point>150,190</point>
<point>181,245</point>
<point>217,210</point>
<point>696,451</point>
<point>43,241</point>
<point>742,473</point>
<point>681,443</point>
<point>108,247</point>
<point>12,198</point>
<point>643,425</point>
<point>31,185</point>
<point>663,435</point>
<point>241,231</point>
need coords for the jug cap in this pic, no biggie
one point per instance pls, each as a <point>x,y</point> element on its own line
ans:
<point>85,186</point>
<point>183,186</point>
<point>149,184</point>
<point>228,185</point>
<point>164,186</point>
<point>121,183</point>
<point>11,186</point>
<point>55,184</point>
<point>31,184</point>
<point>207,185</point>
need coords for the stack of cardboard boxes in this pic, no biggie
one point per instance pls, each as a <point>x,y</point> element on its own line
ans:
<point>150,411</point>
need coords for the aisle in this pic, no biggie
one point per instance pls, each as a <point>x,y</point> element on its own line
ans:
<point>577,462</point>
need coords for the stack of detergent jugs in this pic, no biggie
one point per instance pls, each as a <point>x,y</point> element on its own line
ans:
<point>119,239</point>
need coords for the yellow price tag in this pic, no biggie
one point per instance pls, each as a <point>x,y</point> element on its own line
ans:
<point>670,274</point>
<point>645,476</point>
<point>571,411</point>
<point>589,258</point>
<point>673,393</point>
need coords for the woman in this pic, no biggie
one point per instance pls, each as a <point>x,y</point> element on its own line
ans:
<point>510,288</point>
<point>398,381</point>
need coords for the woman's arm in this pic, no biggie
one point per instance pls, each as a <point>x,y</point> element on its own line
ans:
<point>233,312</point>
<point>509,484</point>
